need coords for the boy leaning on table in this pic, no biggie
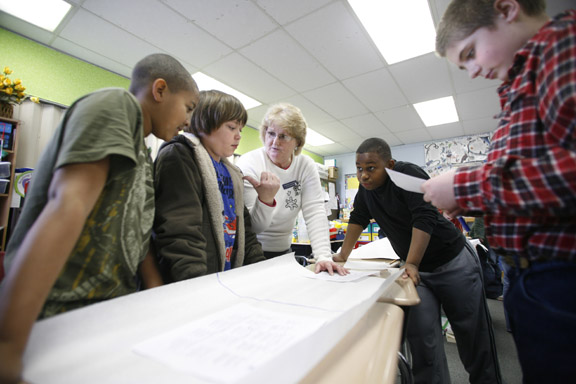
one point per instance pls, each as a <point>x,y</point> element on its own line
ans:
<point>86,223</point>
<point>438,259</point>
<point>527,187</point>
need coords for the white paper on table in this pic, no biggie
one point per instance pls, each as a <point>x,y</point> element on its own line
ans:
<point>378,249</point>
<point>227,345</point>
<point>352,276</point>
<point>406,182</point>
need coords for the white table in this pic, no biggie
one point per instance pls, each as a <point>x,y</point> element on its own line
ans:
<point>95,344</point>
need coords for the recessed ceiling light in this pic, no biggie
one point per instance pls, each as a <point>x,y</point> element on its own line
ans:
<point>314,139</point>
<point>438,111</point>
<point>206,83</point>
<point>401,29</point>
<point>46,14</point>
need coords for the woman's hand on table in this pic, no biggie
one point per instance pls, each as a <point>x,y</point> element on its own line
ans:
<point>267,186</point>
<point>330,267</point>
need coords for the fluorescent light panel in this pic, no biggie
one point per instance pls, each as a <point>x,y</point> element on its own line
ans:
<point>206,83</point>
<point>401,29</point>
<point>46,14</point>
<point>314,139</point>
<point>438,111</point>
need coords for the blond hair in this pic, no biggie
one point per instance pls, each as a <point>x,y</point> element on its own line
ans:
<point>289,118</point>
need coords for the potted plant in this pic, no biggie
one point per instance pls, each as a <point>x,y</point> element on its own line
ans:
<point>11,92</point>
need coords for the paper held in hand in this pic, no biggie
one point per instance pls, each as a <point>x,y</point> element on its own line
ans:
<point>406,182</point>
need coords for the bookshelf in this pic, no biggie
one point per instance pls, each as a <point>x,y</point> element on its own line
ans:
<point>9,136</point>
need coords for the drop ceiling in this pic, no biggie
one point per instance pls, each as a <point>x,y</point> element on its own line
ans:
<point>314,54</point>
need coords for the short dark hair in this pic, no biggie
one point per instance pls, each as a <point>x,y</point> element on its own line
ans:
<point>376,145</point>
<point>161,66</point>
<point>214,109</point>
<point>463,17</point>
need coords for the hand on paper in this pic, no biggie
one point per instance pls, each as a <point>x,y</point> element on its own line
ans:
<point>411,271</point>
<point>439,191</point>
<point>267,186</point>
<point>330,267</point>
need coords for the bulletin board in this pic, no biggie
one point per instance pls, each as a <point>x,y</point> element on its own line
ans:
<point>441,156</point>
<point>352,186</point>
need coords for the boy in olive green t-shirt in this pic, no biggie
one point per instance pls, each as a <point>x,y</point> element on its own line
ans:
<point>85,226</point>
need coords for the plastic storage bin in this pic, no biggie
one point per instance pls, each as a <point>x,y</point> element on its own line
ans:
<point>4,169</point>
<point>3,185</point>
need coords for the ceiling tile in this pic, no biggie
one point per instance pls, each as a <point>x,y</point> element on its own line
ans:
<point>330,149</point>
<point>200,48</point>
<point>314,115</point>
<point>392,140</point>
<point>413,136</point>
<point>267,89</point>
<point>284,58</point>
<point>336,100</point>
<point>125,48</point>
<point>286,11</point>
<point>367,126</point>
<point>235,22</point>
<point>21,27</point>
<point>336,131</point>
<point>401,119</point>
<point>312,53</point>
<point>255,115</point>
<point>376,90</point>
<point>336,38</point>
<point>445,131</point>
<point>423,78</point>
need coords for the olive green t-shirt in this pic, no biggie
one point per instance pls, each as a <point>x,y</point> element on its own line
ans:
<point>115,237</point>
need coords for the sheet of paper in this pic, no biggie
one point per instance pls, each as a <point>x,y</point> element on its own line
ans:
<point>378,249</point>
<point>228,345</point>
<point>406,182</point>
<point>352,276</point>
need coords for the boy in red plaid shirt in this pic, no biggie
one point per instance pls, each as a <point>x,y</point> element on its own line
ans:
<point>527,187</point>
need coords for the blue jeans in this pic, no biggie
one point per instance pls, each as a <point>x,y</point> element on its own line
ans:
<point>541,305</point>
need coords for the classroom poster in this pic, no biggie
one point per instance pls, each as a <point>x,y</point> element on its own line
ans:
<point>441,156</point>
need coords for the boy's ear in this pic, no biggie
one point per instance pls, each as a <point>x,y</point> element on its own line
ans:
<point>159,89</point>
<point>507,9</point>
<point>390,164</point>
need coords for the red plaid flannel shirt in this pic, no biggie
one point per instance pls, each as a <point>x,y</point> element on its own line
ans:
<point>527,188</point>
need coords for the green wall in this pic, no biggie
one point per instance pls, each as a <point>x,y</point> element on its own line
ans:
<point>52,75</point>
<point>59,78</point>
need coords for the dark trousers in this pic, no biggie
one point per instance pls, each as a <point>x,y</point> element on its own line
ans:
<point>457,287</point>
<point>541,305</point>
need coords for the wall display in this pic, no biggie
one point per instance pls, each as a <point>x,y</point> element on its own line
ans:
<point>440,156</point>
<point>352,186</point>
